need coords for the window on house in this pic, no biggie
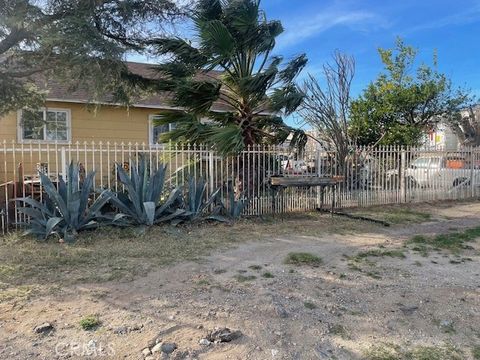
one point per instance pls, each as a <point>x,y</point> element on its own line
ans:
<point>157,130</point>
<point>44,125</point>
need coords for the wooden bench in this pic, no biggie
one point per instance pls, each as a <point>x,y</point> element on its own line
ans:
<point>278,183</point>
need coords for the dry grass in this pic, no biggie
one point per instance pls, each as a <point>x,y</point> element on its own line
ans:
<point>30,267</point>
<point>395,352</point>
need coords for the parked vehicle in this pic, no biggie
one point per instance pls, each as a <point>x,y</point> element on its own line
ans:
<point>291,166</point>
<point>440,171</point>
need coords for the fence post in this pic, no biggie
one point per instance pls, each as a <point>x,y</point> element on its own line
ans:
<point>2,220</point>
<point>318,164</point>
<point>472,167</point>
<point>401,175</point>
<point>63,155</point>
<point>211,174</point>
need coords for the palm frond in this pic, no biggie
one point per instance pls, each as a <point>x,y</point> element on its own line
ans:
<point>293,68</point>
<point>226,140</point>
<point>286,99</point>
<point>216,39</point>
<point>209,10</point>
<point>198,96</point>
<point>181,50</point>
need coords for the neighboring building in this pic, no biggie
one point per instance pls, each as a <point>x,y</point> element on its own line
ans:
<point>444,137</point>
<point>313,145</point>
<point>66,117</point>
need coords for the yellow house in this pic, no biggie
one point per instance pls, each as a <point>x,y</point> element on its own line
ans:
<point>66,118</point>
<point>67,129</point>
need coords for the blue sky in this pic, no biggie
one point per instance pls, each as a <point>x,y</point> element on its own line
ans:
<point>360,27</point>
<point>319,27</point>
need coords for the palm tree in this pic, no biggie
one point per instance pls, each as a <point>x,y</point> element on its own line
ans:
<point>230,65</point>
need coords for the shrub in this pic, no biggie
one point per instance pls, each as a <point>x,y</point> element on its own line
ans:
<point>89,322</point>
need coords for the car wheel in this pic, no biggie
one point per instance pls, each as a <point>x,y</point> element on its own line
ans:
<point>461,181</point>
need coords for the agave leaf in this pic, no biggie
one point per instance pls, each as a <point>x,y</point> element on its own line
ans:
<point>143,180</point>
<point>149,207</point>
<point>176,221</point>
<point>199,193</point>
<point>54,196</point>
<point>72,178</point>
<point>90,225</point>
<point>211,199</point>
<point>35,204</point>
<point>39,232</point>
<point>62,187</point>
<point>121,220</point>
<point>118,217</point>
<point>51,224</point>
<point>73,206</point>
<point>122,206</point>
<point>95,208</point>
<point>31,212</point>
<point>176,215</point>
<point>85,192</point>
<point>156,184</point>
<point>174,195</point>
<point>130,183</point>
<point>218,218</point>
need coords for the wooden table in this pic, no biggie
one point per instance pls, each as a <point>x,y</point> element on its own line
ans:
<point>278,183</point>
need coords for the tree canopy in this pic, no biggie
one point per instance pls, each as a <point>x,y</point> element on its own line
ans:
<point>404,101</point>
<point>230,64</point>
<point>79,41</point>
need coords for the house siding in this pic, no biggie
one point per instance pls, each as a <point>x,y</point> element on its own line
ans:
<point>106,123</point>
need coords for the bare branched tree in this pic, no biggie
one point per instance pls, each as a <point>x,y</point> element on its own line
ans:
<point>327,104</point>
<point>467,126</point>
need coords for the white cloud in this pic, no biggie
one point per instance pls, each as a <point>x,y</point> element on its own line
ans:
<point>309,26</point>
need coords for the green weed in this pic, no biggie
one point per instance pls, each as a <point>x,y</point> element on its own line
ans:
<point>303,258</point>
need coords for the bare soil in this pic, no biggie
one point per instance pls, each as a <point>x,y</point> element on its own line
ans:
<point>415,306</point>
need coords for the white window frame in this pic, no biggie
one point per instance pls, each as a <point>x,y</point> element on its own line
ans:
<point>45,141</point>
<point>151,119</point>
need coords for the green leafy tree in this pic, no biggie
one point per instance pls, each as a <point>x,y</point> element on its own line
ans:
<point>404,101</point>
<point>79,41</point>
<point>230,65</point>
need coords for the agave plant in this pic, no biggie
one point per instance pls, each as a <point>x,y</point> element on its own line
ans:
<point>234,207</point>
<point>141,203</point>
<point>65,209</point>
<point>196,204</point>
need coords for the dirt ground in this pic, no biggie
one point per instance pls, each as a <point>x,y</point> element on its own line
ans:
<point>372,297</point>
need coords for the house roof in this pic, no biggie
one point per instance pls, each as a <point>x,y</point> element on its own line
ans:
<point>59,91</point>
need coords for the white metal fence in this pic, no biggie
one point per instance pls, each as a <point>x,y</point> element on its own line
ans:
<point>372,176</point>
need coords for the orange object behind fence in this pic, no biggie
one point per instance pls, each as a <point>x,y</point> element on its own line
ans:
<point>455,164</point>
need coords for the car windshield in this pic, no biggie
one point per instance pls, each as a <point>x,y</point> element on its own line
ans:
<point>435,162</point>
<point>421,163</point>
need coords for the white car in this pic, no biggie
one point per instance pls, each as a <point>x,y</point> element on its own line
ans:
<point>440,171</point>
